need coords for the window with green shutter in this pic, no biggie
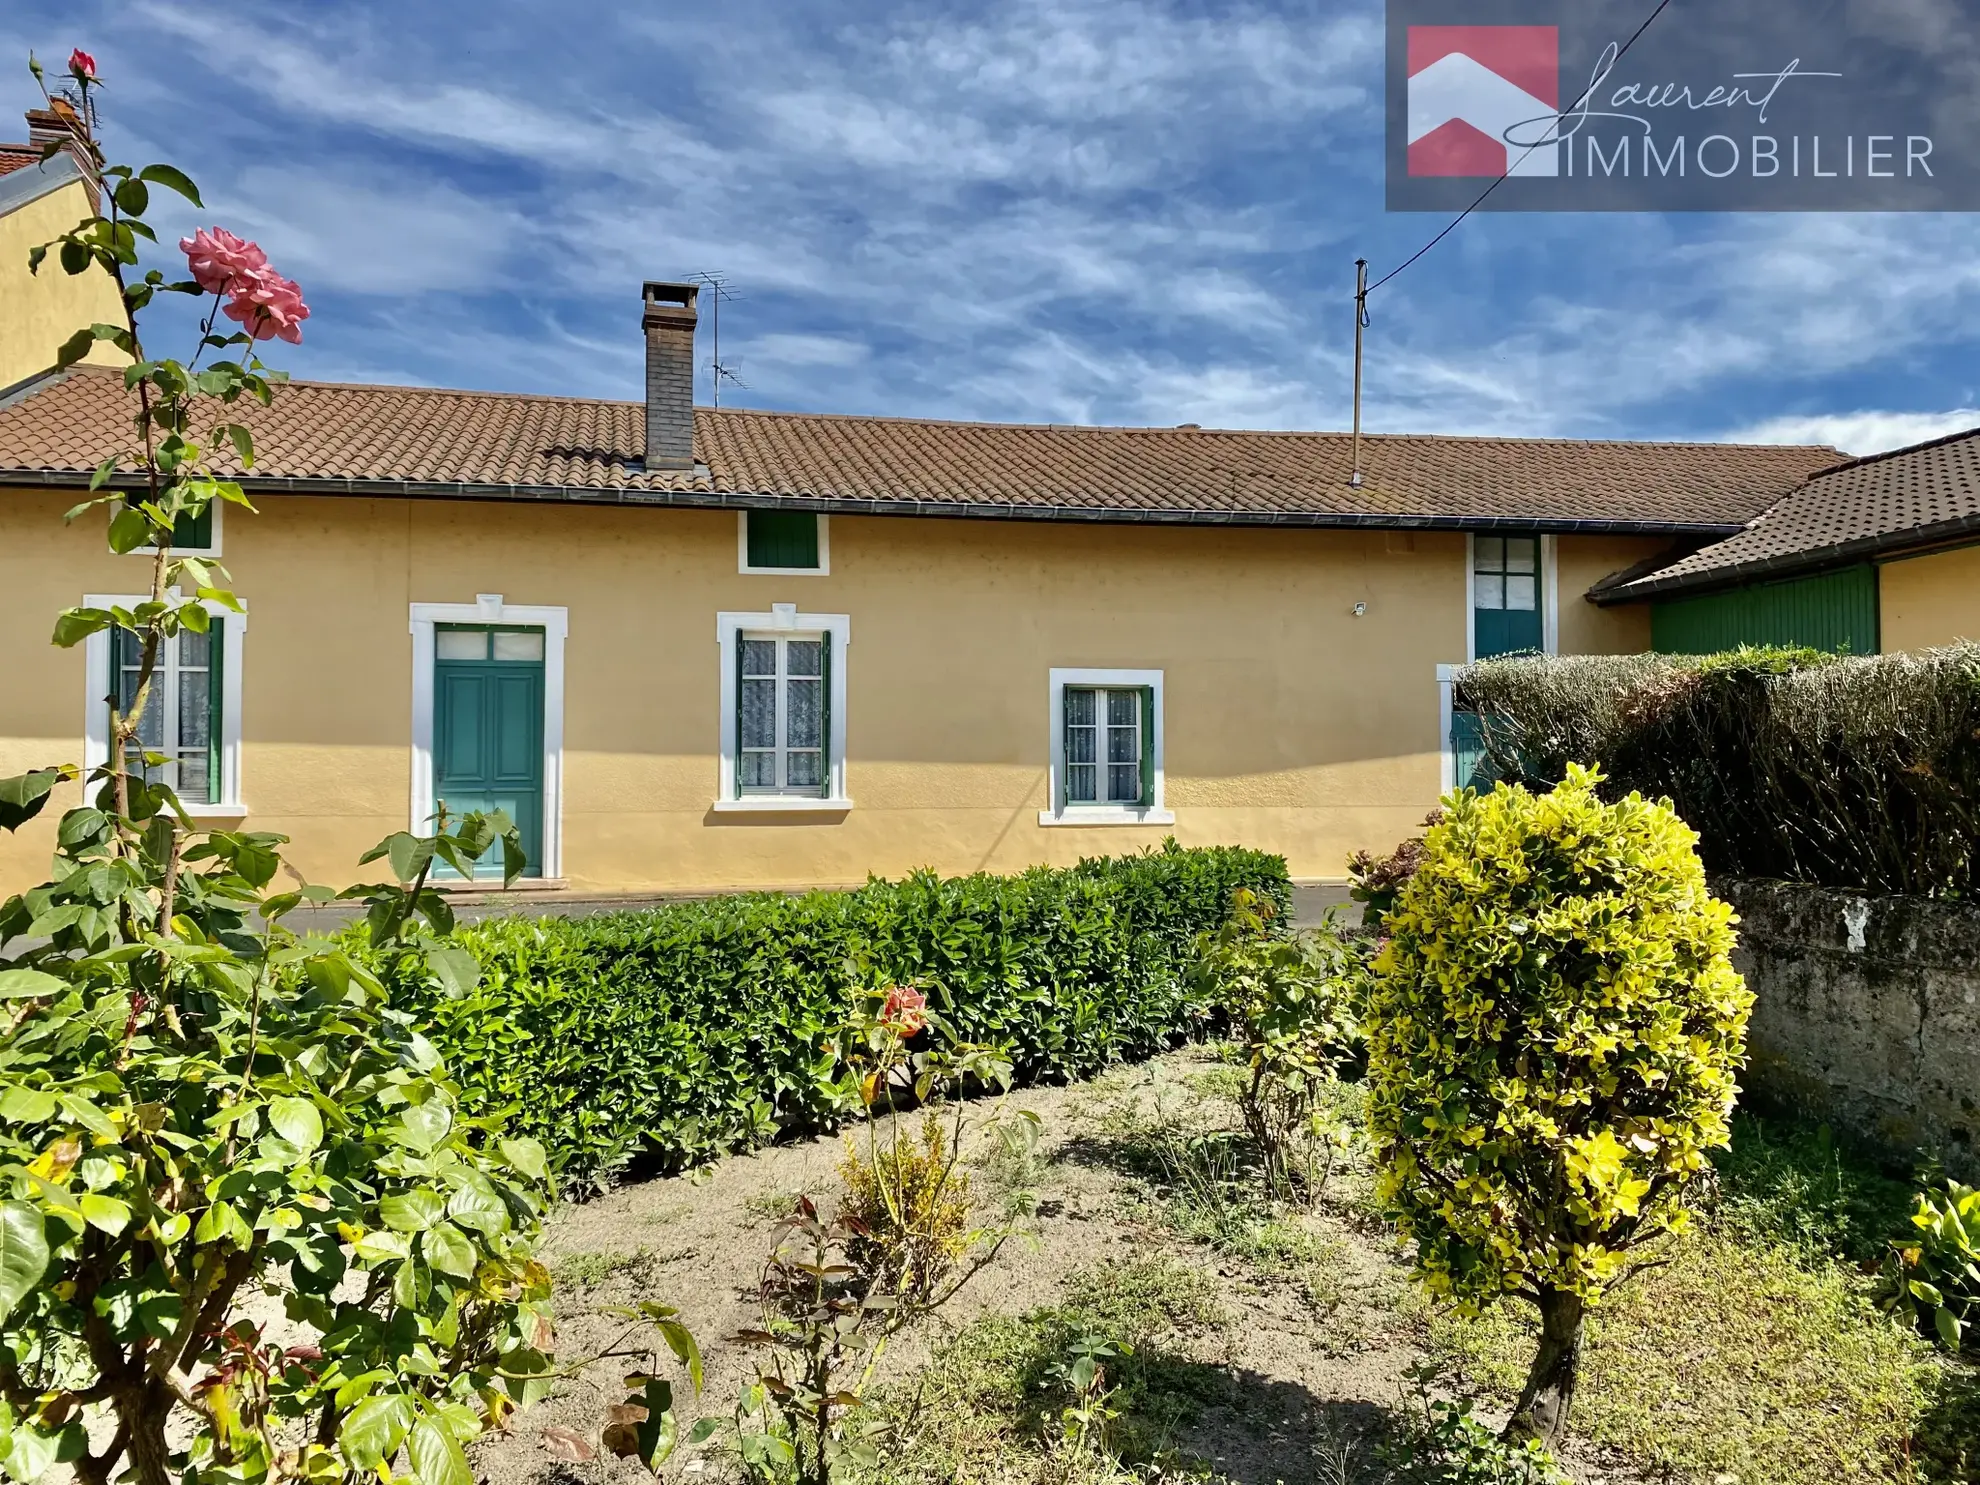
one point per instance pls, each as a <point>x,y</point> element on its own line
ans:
<point>180,731</point>
<point>1110,745</point>
<point>194,533</point>
<point>1506,596</point>
<point>782,541</point>
<point>784,715</point>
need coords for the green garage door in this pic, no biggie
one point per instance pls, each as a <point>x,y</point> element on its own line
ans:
<point>1834,611</point>
<point>488,730</point>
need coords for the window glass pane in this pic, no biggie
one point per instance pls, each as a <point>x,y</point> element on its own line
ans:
<point>759,657</point>
<point>527,645</point>
<point>1123,782</point>
<point>1520,594</point>
<point>759,770</point>
<point>1491,553</point>
<point>804,656</point>
<point>807,770</point>
<point>759,714</point>
<point>1124,744</point>
<point>804,716</point>
<point>193,783</point>
<point>1491,591</point>
<point>461,644</point>
<point>1080,744</point>
<point>195,711</point>
<point>193,649</point>
<point>1520,553</point>
<point>1080,708</point>
<point>1080,778</point>
<point>1123,708</point>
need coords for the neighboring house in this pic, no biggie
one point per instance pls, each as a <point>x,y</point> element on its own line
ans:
<point>1878,554</point>
<point>39,200</point>
<point>696,649</point>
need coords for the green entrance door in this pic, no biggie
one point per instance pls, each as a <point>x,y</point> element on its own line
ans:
<point>488,730</point>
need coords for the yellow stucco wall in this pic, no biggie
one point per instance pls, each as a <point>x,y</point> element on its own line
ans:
<point>40,311</point>
<point>1930,600</point>
<point>1292,725</point>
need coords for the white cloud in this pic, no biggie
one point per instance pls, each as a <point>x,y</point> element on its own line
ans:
<point>1860,432</point>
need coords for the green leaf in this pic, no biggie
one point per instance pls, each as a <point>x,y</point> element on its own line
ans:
<point>72,626</point>
<point>425,1125</point>
<point>26,1106</point>
<point>374,1429</point>
<point>297,1121</point>
<point>130,529</point>
<point>23,1253</point>
<point>455,968</point>
<point>382,1247</point>
<point>527,1156</point>
<point>448,1251</point>
<point>23,796</point>
<point>83,341</point>
<point>436,1455</point>
<point>132,197</point>
<point>105,1213</point>
<point>24,984</point>
<point>658,1431</point>
<point>173,180</point>
<point>680,1340</point>
<point>412,1211</point>
<point>1948,1326</point>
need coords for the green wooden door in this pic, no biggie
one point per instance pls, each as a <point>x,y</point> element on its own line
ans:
<point>488,731</point>
<point>1506,596</point>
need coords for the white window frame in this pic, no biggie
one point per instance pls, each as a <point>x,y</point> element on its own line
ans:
<point>1062,813</point>
<point>783,619</point>
<point>219,509</point>
<point>97,683</point>
<point>492,608</point>
<point>1550,595</point>
<point>823,569</point>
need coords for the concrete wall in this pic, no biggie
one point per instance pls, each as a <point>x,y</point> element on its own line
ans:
<point>1930,600</point>
<point>1868,1012</point>
<point>1291,724</point>
<point>40,311</point>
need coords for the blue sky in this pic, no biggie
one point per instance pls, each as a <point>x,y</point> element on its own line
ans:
<point>1120,211</point>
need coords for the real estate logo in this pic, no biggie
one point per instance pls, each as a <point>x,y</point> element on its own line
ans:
<point>1745,105</point>
<point>1473,89</point>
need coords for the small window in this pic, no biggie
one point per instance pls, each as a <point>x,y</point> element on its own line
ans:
<point>1506,595</point>
<point>182,717</point>
<point>784,542</point>
<point>1109,759</point>
<point>1106,748</point>
<point>465,642</point>
<point>783,715</point>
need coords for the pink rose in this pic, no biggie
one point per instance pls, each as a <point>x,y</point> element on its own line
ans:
<point>905,1011</point>
<point>266,305</point>
<point>82,65</point>
<point>216,256</point>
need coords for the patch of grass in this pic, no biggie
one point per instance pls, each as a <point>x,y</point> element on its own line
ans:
<point>1738,1358</point>
<point>986,1408</point>
<point>1792,1182</point>
<point>772,1206</point>
<point>590,1270</point>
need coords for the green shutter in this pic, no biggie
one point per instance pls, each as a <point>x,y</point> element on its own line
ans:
<point>737,756</point>
<point>1147,747</point>
<point>216,689</point>
<point>783,538</point>
<point>194,532</point>
<point>825,715</point>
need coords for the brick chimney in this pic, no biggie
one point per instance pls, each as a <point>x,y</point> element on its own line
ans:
<point>668,317</point>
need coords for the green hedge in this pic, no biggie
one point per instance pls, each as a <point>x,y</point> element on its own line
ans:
<point>1861,774</point>
<point>667,1037</point>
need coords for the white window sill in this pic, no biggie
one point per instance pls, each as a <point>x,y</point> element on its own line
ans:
<point>778,804</point>
<point>1105,815</point>
<point>216,811</point>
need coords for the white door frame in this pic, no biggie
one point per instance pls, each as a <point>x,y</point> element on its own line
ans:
<point>489,608</point>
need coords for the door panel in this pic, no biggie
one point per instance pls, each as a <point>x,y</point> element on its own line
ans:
<point>488,747</point>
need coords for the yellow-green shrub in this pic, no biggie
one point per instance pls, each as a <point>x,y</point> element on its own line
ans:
<point>1553,1039</point>
<point>909,1209</point>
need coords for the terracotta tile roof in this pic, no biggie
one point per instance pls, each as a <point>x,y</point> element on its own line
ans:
<point>1907,498</point>
<point>324,437</point>
<point>17,157</point>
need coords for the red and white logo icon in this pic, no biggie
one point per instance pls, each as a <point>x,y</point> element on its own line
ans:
<point>1469,85</point>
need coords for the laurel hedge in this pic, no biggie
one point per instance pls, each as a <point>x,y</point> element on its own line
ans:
<point>1859,773</point>
<point>663,1038</point>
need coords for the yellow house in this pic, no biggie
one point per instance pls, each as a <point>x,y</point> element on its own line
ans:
<point>693,649</point>
<point>39,200</point>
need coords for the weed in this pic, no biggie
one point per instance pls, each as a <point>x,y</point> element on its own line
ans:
<point>1792,1182</point>
<point>908,1208</point>
<point>591,1270</point>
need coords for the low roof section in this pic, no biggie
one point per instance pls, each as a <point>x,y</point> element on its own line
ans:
<point>328,438</point>
<point>1910,499</point>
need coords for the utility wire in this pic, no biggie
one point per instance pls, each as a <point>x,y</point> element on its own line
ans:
<point>1453,226</point>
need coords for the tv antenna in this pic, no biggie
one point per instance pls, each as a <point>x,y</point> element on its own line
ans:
<point>717,285</point>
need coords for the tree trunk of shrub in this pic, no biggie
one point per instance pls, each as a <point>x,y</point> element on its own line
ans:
<point>1549,1392</point>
